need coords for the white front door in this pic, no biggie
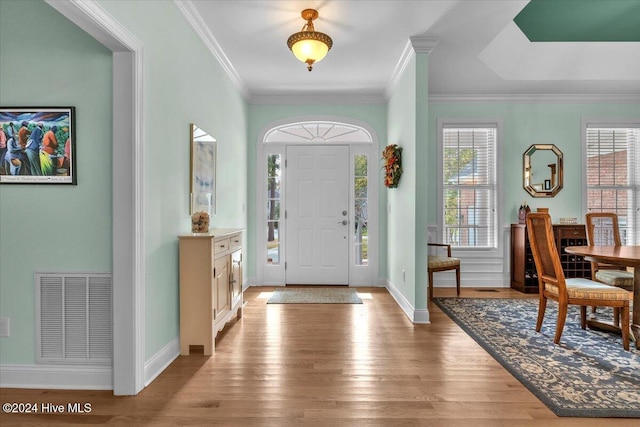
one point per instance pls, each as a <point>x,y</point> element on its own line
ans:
<point>317,206</point>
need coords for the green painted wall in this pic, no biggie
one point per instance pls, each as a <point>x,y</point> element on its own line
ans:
<point>263,115</point>
<point>183,83</point>
<point>401,217</point>
<point>50,228</point>
<point>46,61</point>
<point>525,124</point>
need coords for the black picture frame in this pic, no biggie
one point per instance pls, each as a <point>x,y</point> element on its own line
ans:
<point>547,184</point>
<point>39,145</point>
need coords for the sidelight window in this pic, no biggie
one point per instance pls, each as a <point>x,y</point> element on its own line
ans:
<point>360,205</point>
<point>273,208</point>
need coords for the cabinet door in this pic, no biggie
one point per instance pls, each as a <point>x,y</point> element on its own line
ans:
<point>236,274</point>
<point>517,256</point>
<point>572,235</point>
<point>221,284</point>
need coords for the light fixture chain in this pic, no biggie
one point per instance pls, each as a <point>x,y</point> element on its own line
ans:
<point>308,26</point>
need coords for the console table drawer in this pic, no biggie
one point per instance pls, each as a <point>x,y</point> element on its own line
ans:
<point>235,241</point>
<point>221,245</point>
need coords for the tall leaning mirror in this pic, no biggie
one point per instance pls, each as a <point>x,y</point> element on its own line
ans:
<point>543,172</point>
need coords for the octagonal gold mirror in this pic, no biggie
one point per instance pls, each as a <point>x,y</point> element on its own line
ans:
<point>543,172</point>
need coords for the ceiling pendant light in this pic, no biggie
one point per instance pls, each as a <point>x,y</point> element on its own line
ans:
<point>309,45</point>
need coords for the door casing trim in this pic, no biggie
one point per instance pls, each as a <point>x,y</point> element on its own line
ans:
<point>270,275</point>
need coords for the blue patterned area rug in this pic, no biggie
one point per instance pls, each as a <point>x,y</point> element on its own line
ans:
<point>588,374</point>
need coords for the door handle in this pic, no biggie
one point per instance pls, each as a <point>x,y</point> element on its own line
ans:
<point>343,222</point>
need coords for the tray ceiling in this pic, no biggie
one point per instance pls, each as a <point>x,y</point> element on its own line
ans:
<point>480,50</point>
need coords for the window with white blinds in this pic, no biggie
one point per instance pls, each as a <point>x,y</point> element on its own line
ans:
<point>469,185</point>
<point>613,176</point>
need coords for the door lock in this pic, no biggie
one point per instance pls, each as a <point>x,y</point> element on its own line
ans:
<point>344,213</point>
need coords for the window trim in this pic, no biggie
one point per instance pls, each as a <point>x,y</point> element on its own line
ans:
<point>442,123</point>
<point>607,122</point>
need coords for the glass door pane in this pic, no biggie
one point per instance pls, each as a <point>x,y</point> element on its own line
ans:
<point>273,208</point>
<point>360,201</point>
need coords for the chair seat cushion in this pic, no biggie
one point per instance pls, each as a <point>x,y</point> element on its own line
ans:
<point>619,278</point>
<point>588,289</point>
<point>442,261</point>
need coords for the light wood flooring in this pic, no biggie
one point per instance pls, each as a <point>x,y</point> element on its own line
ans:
<point>323,365</point>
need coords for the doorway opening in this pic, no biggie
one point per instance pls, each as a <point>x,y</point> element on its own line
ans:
<point>317,203</point>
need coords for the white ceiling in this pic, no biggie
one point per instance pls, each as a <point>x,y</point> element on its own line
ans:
<point>479,50</point>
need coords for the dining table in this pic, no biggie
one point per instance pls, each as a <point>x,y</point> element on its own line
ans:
<point>626,256</point>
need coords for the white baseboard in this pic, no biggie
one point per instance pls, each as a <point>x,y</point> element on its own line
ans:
<point>421,316</point>
<point>75,377</point>
<point>65,377</point>
<point>416,316</point>
<point>478,283</point>
<point>161,360</point>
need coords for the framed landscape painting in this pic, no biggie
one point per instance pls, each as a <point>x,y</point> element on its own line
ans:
<point>203,171</point>
<point>37,145</point>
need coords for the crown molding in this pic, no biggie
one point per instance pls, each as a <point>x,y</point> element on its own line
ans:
<point>539,98</point>
<point>200,27</point>
<point>423,44</point>
<point>304,98</point>
<point>308,98</point>
<point>415,44</point>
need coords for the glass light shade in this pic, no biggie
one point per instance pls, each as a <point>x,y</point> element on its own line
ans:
<point>310,49</point>
<point>309,45</point>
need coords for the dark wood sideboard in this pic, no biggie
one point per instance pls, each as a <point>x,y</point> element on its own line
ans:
<point>524,277</point>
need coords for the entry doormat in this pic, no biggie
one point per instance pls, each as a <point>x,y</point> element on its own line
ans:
<point>588,374</point>
<point>315,296</point>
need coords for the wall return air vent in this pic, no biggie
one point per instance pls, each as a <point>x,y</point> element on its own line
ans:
<point>74,320</point>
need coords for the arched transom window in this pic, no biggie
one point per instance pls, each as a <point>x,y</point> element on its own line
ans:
<point>317,132</point>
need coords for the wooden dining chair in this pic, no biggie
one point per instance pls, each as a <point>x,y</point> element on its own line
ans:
<point>603,230</point>
<point>438,262</point>
<point>575,291</point>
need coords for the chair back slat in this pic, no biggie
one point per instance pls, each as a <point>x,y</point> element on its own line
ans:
<point>545,253</point>
<point>602,229</point>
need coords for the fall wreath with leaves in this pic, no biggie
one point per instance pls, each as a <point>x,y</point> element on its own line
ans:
<point>392,155</point>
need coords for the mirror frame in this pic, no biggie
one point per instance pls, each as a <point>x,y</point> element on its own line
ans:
<point>526,173</point>
<point>202,171</point>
